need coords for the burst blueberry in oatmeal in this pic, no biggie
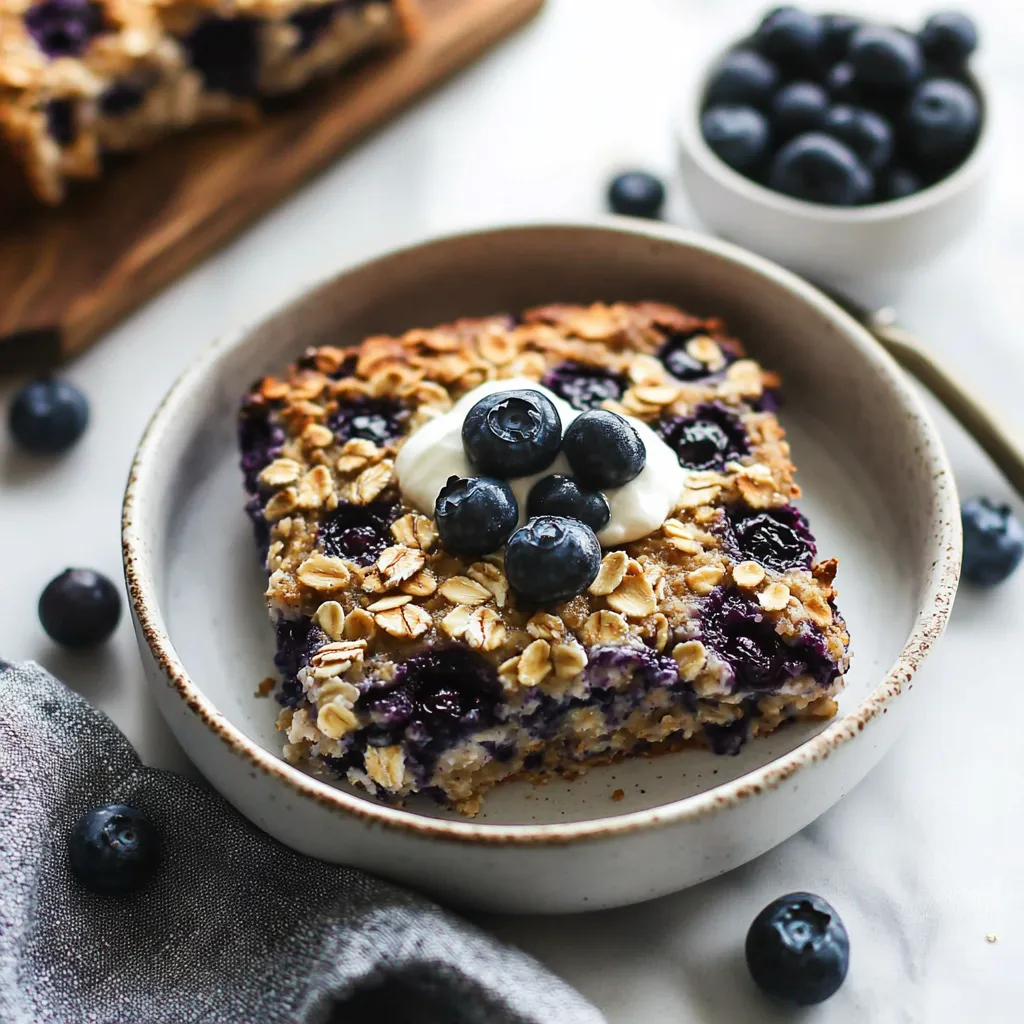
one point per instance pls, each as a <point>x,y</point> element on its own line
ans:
<point>510,547</point>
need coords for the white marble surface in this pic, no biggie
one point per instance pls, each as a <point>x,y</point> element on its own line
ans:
<point>923,858</point>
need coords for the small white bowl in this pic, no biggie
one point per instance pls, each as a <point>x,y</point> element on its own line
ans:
<point>838,246</point>
<point>877,488</point>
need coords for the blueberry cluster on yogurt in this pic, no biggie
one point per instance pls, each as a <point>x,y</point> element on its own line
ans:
<point>841,111</point>
<point>517,434</point>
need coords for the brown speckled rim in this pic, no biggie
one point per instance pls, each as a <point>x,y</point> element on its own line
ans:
<point>929,624</point>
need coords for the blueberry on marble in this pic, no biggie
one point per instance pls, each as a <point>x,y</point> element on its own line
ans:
<point>740,136</point>
<point>798,107</point>
<point>80,608</point>
<point>48,416</point>
<point>708,439</point>
<point>947,39</point>
<point>64,28</point>
<point>885,58</point>
<point>820,169</point>
<point>836,32</point>
<point>993,541</point>
<point>357,532</point>
<point>636,194</point>
<point>585,387</point>
<point>898,183</point>
<point>603,449</point>
<point>552,558</point>
<point>114,849</point>
<point>512,433</point>
<point>789,36</point>
<point>475,515</point>
<point>942,123</point>
<point>798,950</point>
<point>742,78</point>
<point>558,495</point>
<point>867,133</point>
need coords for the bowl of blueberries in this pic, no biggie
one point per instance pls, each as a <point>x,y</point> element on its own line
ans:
<point>845,149</point>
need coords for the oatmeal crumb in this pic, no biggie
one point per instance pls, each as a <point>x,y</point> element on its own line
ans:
<point>618,795</point>
<point>266,687</point>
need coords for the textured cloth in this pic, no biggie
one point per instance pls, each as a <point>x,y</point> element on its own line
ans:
<point>235,927</point>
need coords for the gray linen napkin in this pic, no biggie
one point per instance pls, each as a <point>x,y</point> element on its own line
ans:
<point>235,929</point>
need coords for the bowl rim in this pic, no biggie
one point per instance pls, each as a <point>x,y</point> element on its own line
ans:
<point>689,136</point>
<point>928,625</point>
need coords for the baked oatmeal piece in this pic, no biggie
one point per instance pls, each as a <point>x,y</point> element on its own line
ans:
<point>81,79</point>
<point>659,595</point>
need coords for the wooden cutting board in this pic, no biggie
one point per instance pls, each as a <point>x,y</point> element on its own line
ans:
<point>69,274</point>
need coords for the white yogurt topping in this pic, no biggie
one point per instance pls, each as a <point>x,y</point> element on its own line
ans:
<point>434,452</point>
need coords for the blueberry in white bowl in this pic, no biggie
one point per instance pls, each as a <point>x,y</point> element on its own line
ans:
<point>743,78</point>
<point>799,107</point>
<point>741,136</point>
<point>820,169</point>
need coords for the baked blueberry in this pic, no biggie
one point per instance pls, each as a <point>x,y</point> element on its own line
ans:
<point>585,387</point>
<point>742,78</point>
<point>798,950</point>
<point>678,360</point>
<point>948,39</point>
<point>868,134</point>
<point>512,433</point>
<point>993,541</point>
<point>226,52</point>
<point>357,532</point>
<point>552,558</point>
<point>708,439</point>
<point>64,28</point>
<point>603,449</point>
<point>60,121</point>
<point>897,183</point>
<point>48,416</point>
<point>820,169</point>
<point>114,849</point>
<point>777,538</point>
<point>558,495</point>
<point>379,420</point>
<point>942,123</point>
<point>790,37</point>
<point>841,82</point>
<point>80,608</point>
<point>475,515</point>
<point>836,31</point>
<point>637,194</point>
<point>798,107</point>
<point>739,135</point>
<point>885,57</point>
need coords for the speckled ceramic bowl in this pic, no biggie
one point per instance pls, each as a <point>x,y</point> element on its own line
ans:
<point>878,491</point>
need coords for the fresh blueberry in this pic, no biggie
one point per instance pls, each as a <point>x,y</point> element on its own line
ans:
<point>64,28</point>
<point>897,183</point>
<point>708,439</point>
<point>80,608</point>
<point>841,82</point>
<point>585,387</point>
<point>552,558</point>
<point>942,123</point>
<point>114,849</point>
<point>558,495</point>
<point>743,78</point>
<point>475,515</point>
<point>948,39</point>
<point>603,449</point>
<point>789,36</point>
<point>798,950</point>
<point>637,194</point>
<point>778,538</point>
<point>739,135</point>
<point>48,416</point>
<point>512,433</point>
<point>678,360</point>
<point>993,541</point>
<point>798,107</point>
<point>819,169</point>
<point>868,134</point>
<point>836,31</point>
<point>357,532</point>
<point>886,57</point>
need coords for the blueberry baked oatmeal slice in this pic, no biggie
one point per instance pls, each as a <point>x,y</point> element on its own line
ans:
<point>509,547</point>
<point>81,79</point>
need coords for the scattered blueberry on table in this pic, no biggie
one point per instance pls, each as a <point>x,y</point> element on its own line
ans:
<point>114,849</point>
<point>993,541</point>
<point>80,608</point>
<point>48,416</point>
<point>834,110</point>
<point>637,194</point>
<point>798,950</point>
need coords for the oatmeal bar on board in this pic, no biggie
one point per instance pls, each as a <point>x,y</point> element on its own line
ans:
<point>79,79</point>
<point>507,547</point>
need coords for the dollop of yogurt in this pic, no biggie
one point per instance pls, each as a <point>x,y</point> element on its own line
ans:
<point>434,452</point>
